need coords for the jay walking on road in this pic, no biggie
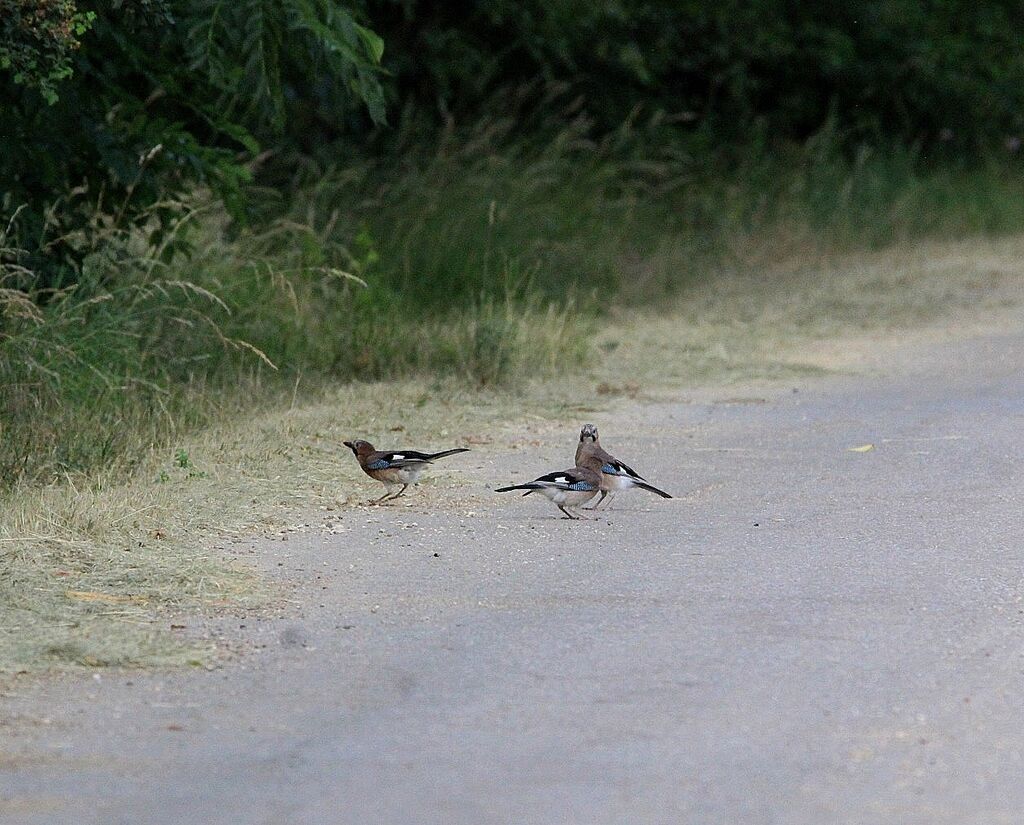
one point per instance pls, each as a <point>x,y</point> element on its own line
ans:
<point>568,489</point>
<point>393,470</point>
<point>615,475</point>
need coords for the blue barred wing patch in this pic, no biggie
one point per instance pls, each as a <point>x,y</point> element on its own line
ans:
<point>379,464</point>
<point>567,481</point>
<point>617,468</point>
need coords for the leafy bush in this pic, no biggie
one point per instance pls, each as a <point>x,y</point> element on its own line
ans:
<point>37,41</point>
<point>164,97</point>
<point>938,71</point>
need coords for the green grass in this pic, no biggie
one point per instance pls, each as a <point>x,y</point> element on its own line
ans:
<point>593,220</point>
<point>484,260</point>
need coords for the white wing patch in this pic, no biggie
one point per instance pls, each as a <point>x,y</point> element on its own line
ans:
<point>561,480</point>
<point>397,457</point>
<point>627,472</point>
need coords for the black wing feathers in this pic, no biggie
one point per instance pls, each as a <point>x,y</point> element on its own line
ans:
<point>405,458</point>
<point>562,478</point>
<point>406,455</point>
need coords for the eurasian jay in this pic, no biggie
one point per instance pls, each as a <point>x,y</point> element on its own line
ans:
<point>394,469</point>
<point>567,488</point>
<point>615,475</point>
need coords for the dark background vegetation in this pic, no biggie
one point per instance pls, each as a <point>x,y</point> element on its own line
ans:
<point>201,201</point>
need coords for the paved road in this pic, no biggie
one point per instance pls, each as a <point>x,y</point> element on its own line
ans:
<point>808,635</point>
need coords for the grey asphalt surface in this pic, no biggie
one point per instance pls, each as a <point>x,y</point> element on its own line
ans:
<point>807,635</point>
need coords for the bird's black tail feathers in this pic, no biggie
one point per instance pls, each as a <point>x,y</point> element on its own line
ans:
<point>644,485</point>
<point>444,453</point>
<point>530,487</point>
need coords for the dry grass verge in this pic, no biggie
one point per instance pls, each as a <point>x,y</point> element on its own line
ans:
<point>806,313</point>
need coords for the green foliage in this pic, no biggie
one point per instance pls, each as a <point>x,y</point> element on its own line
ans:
<point>938,71</point>
<point>38,39</point>
<point>85,368</point>
<point>489,218</point>
<point>160,97</point>
<point>256,54</point>
<point>139,350</point>
<point>167,96</point>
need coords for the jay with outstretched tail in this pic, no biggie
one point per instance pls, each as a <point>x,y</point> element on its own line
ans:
<point>615,475</point>
<point>568,489</point>
<point>397,469</point>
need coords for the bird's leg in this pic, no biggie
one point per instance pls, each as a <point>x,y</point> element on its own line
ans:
<point>382,498</point>
<point>608,504</point>
<point>567,513</point>
<point>594,507</point>
<point>404,487</point>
